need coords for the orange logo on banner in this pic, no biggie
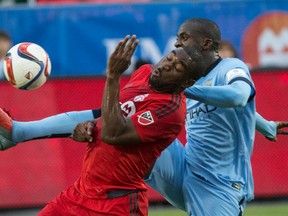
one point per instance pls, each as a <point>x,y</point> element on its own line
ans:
<point>265,42</point>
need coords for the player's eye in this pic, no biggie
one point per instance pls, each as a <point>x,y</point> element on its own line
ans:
<point>184,37</point>
<point>167,68</point>
<point>179,67</point>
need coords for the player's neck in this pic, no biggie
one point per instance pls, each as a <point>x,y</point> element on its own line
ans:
<point>212,63</point>
<point>166,89</point>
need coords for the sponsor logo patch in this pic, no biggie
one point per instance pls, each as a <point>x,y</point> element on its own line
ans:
<point>128,108</point>
<point>145,118</point>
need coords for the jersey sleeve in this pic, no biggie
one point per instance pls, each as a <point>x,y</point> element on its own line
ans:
<point>228,91</point>
<point>160,121</point>
<point>141,72</point>
<point>234,70</point>
<point>237,70</point>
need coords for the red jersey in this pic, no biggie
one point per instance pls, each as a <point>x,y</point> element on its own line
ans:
<point>158,119</point>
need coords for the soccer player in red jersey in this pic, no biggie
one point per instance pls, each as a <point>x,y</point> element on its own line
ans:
<point>135,127</point>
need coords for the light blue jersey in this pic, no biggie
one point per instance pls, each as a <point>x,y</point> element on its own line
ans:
<point>217,175</point>
<point>220,140</point>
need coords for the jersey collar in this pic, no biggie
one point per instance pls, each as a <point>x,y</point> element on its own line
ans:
<point>212,66</point>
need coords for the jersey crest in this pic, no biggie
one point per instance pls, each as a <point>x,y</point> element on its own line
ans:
<point>208,82</point>
<point>145,118</point>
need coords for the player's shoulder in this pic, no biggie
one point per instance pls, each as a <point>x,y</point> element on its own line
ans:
<point>142,71</point>
<point>168,104</point>
<point>233,62</point>
<point>228,64</point>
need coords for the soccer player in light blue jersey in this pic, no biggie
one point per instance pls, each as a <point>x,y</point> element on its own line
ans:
<point>215,168</point>
<point>212,174</point>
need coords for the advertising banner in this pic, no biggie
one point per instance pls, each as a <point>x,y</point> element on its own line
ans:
<point>80,37</point>
<point>36,171</point>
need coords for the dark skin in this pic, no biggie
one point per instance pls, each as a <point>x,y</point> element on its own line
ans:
<point>170,75</point>
<point>114,125</point>
<point>83,132</point>
<point>188,37</point>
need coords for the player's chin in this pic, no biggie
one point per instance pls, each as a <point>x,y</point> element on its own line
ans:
<point>153,80</point>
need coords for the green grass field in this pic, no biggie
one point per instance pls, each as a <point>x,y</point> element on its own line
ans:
<point>253,209</point>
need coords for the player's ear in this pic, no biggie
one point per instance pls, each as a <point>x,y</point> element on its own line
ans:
<point>207,44</point>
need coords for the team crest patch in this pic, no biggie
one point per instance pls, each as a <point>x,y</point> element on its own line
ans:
<point>208,83</point>
<point>145,118</point>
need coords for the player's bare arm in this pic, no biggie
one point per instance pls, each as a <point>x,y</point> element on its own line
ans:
<point>117,130</point>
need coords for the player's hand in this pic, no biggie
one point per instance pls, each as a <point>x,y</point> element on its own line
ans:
<point>120,59</point>
<point>83,132</point>
<point>279,126</point>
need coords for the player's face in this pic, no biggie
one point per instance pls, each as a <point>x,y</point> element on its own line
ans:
<point>187,36</point>
<point>170,75</point>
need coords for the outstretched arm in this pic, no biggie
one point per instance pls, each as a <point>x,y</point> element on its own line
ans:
<point>117,130</point>
<point>235,94</point>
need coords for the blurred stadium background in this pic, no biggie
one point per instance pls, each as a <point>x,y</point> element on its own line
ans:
<point>79,36</point>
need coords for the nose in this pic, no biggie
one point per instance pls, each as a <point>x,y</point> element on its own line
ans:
<point>178,44</point>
